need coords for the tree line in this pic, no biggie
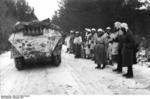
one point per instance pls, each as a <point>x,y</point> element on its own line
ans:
<point>12,11</point>
<point>80,14</point>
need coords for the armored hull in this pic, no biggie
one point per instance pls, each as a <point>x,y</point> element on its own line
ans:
<point>35,43</point>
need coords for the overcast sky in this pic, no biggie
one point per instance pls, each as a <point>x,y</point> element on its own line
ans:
<point>44,8</point>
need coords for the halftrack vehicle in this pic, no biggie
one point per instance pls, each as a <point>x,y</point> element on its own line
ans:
<point>36,41</point>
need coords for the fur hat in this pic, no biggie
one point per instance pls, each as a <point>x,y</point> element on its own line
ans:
<point>125,26</point>
<point>117,25</point>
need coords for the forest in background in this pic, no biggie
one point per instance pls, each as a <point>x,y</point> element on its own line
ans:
<point>77,15</point>
<point>80,14</point>
<point>12,11</point>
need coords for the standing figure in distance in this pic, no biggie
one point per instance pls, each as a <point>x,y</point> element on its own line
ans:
<point>100,53</point>
<point>72,36</point>
<point>93,42</point>
<point>77,43</point>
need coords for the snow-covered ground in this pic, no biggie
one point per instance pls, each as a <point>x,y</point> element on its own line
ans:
<point>73,76</point>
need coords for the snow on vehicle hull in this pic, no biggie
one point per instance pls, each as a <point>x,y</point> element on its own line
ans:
<point>35,47</point>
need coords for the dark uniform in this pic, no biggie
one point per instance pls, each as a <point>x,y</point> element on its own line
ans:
<point>128,52</point>
<point>71,43</point>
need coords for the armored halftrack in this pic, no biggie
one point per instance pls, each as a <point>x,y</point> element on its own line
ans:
<point>36,41</point>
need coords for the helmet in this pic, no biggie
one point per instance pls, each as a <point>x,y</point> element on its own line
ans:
<point>77,32</point>
<point>108,28</point>
<point>71,31</point>
<point>93,29</point>
<point>100,30</point>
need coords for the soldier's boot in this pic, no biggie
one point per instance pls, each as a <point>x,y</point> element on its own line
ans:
<point>119,69</point>
<point>98,66</point>
<point>104,65</point>
<point>115,70</point>
<point>129,73</point>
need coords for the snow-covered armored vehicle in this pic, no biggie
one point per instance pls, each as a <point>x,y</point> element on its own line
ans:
<point>36,41</point>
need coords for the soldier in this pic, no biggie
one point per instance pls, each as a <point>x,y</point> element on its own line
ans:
<point>114,43</point>
<point>108,45</point>
<point>83,36</point>
<point>120,46</point>
<point>78,42</point>
<point>108,30</point>
<point>128,50</point>
<point>100,53</point>
<point>94,35</point>
<point>87,44</point>
<point>93,42</point>
<point>71,41</point>
<point>87,35</point>
<point>67,42</point>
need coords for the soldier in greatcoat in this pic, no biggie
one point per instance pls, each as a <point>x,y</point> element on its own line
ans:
<point>77,43</point>
<point>99,50</point>
<point>128,50</point>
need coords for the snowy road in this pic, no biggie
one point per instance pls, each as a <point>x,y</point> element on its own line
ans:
<point>73,76</point>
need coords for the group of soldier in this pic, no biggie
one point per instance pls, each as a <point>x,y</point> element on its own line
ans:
<point>105,47</point>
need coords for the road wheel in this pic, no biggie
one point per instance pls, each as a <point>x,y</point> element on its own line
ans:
<point>19,63</point>
<point>57,60</point>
